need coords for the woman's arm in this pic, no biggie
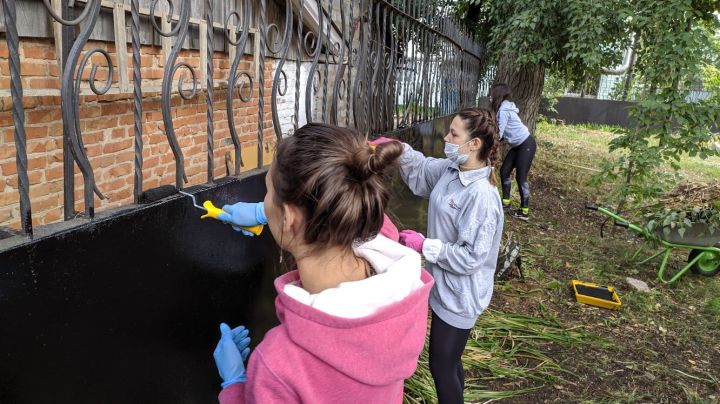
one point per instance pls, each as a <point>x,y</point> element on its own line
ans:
<point>421,173</point>
<point>502,117</point>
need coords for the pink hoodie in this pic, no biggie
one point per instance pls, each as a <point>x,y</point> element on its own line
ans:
<point>315,357</point>
<point>389,229</point>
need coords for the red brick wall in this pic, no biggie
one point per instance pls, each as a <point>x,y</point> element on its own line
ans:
<point>107,125</point>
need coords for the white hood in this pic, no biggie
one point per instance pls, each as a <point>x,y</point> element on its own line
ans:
<point>397,275</point>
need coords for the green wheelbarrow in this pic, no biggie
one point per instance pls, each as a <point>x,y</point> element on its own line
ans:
<point>704,248</point>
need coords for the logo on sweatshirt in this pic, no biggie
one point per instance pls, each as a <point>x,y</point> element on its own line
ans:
<point>453,205</point>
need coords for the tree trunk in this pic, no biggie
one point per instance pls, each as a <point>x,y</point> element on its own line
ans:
<point>526,84</point>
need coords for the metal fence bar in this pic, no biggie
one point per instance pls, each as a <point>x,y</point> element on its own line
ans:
<point>357,87</point>
<point>316,45</point>
<point>137,101</point>
<point>339,79</point>
<point>70,93</point>
<point>279,72</point>
<point>13,42</point>
<point>367,116</point>
<point>376,60</point>
<point>382,93</point>
<point>234,76</point>
<point>414,51</point>
<point>67,35</point>
<point>261,83</point>
<point>180,31</point>
<point>402,94</point>
<point>350,62</point>
<point>328,50</point>
<point>209,91</point>
<point>298,66</point>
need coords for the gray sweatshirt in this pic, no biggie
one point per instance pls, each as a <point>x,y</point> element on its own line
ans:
<point>465,223</point>
<point>510,127</point>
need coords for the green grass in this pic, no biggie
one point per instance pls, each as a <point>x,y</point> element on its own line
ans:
<point>695,168</point>
<point>713,307</point>
<point>505,349</point>
<point>589,144</point>
<point>598,127</point>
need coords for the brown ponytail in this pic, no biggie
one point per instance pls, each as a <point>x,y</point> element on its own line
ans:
<point>499,93</point>
<point>480,123</point>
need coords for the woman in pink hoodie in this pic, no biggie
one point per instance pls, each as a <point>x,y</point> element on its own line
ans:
<point>353,314</point>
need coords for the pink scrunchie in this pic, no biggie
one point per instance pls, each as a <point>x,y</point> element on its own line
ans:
<point>380,140</point>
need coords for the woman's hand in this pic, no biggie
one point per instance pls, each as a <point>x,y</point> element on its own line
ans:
<point>244,214</point>
<point>412,239</point>
<point>230,354</point>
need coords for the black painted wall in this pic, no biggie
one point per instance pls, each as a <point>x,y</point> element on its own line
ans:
<point>574,110</point>
<point>126,309</point>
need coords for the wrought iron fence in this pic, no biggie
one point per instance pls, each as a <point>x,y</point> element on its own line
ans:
<point>375,65</point>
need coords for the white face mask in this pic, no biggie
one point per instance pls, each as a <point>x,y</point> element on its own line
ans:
<point>452,151</point>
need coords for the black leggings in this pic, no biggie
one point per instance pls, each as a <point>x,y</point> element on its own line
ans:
<point>447,344</point>
<point>520,158</point>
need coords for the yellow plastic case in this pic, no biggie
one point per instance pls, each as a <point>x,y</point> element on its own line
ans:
<point>596,295</point>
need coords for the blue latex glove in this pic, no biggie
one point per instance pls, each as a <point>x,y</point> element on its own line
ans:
<point>244,214</point>
<point>242,341</point>
<point>243,231</point>
<point>230,354</point>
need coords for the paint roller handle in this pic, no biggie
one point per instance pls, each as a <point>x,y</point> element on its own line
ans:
<point>238,215</point>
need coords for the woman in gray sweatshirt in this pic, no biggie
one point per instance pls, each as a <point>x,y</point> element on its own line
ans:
<point>522,148</point>
<point>465,224</point>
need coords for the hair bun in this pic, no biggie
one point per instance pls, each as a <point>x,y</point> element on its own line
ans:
<point>370,163</point>
<point>385,156</point>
